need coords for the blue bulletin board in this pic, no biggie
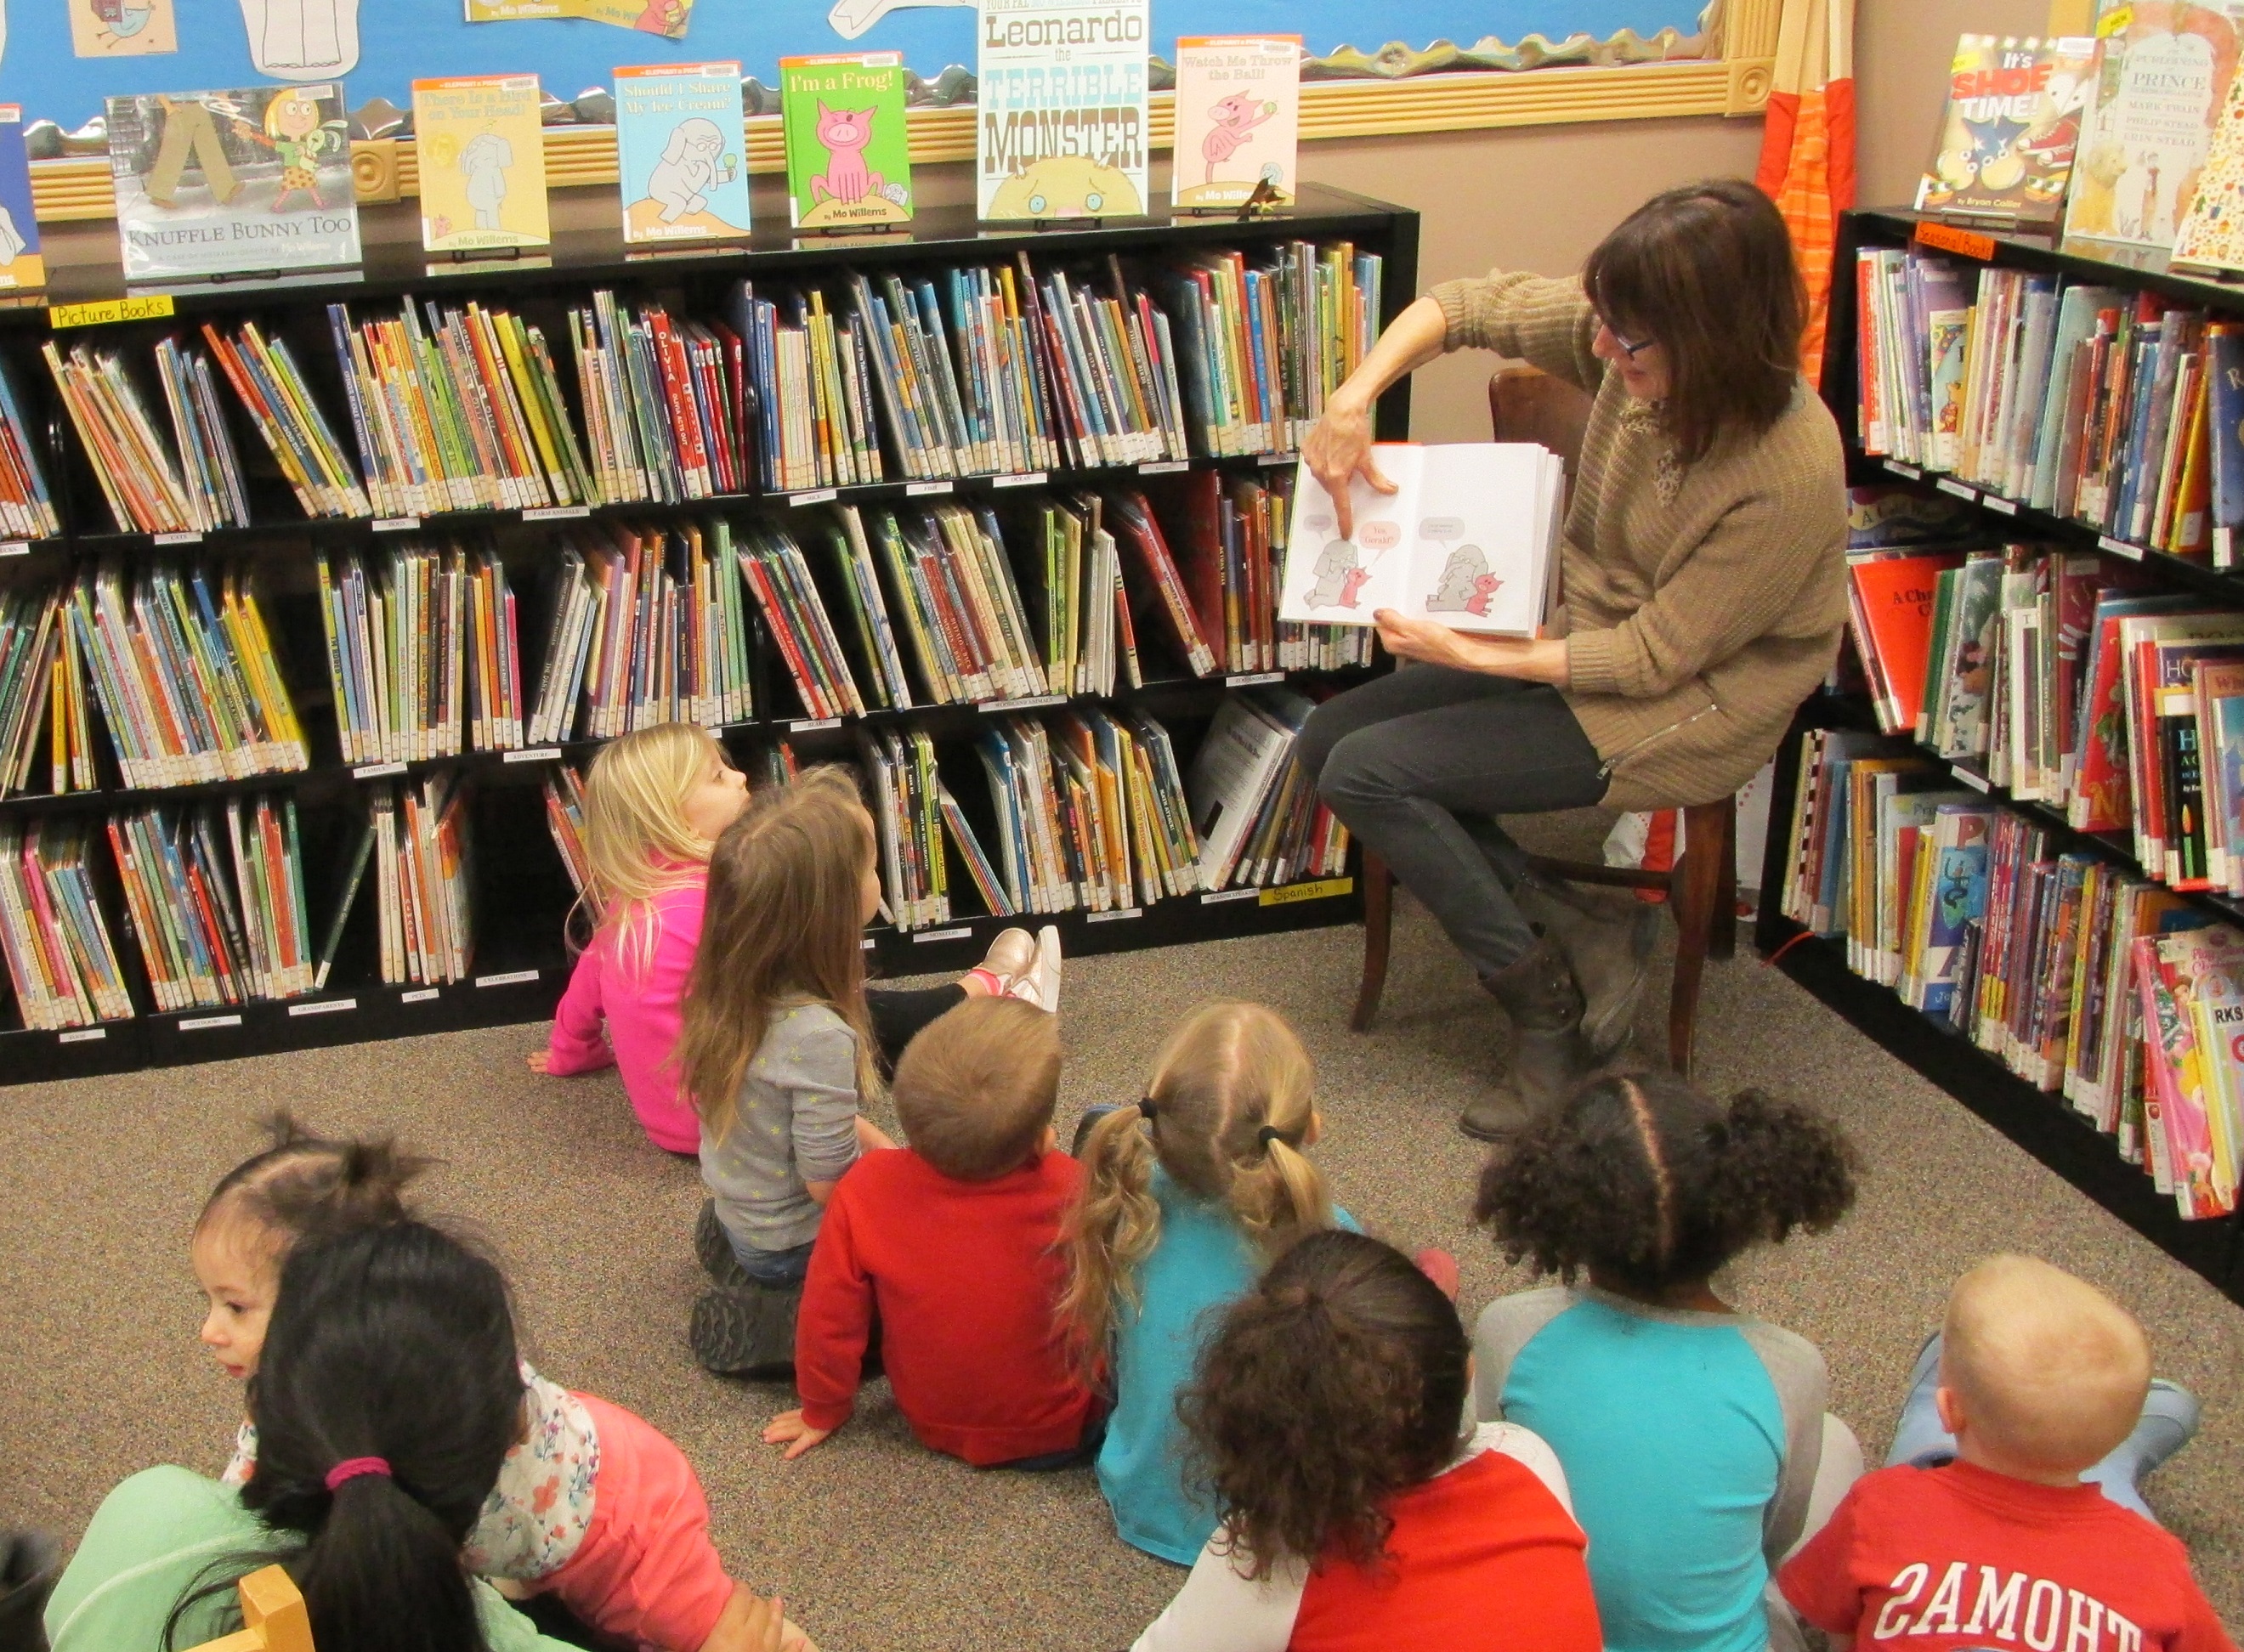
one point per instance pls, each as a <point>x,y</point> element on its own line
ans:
<point>400,40</point>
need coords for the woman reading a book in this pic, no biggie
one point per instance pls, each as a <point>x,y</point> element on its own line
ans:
<point>1704,585</point>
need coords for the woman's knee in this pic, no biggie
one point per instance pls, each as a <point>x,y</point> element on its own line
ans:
<point>1313,746</point>
<point>1354,770</point>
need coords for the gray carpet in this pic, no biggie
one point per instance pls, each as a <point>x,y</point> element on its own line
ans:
<point>875,1543</point>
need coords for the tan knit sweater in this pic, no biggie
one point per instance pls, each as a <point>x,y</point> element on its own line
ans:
<point>1701,605</point>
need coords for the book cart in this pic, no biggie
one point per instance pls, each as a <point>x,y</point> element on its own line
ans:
<point>2044,1123</point>
<point>521,893</point>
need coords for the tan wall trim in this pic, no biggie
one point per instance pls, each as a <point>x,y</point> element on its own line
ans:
<point>78,189</point>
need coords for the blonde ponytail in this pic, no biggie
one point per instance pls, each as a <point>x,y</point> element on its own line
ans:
<point>1112,1229</point>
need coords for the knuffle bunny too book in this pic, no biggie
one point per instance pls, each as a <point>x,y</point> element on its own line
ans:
<point>1468,538</point>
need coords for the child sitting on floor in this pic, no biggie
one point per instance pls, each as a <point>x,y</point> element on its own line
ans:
<point>591,1504</point>
<point>1186,1197</point>
<point>1355,1515</point>
<point>1693,1436</point>
<point>950,1245</point>
<point>2040,1377</point>
<point>655,802</point>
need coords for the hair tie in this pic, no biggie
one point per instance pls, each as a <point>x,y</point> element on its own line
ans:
<point>1146,1107</point>
<point>1268,1134</point>
<point>352,1467</point>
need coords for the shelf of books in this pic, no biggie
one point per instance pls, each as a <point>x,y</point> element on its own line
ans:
<point>2016,843</point>
<point>320,595</point>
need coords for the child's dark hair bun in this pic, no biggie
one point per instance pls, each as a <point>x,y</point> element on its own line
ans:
<point>306,1183</point>
<point>1647,1181</point>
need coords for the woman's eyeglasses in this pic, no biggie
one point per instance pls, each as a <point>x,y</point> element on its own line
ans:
<point>1630,349</point>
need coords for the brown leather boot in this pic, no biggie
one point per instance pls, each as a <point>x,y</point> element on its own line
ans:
<point>1537,992</point>
<point>1606,939</point>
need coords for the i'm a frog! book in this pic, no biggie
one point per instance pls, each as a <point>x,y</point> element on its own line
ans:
<point>482,162</point>
<point>217,183</point>
<point>849,153</point>
<point>20,262</point>
<point>679,151</point>
<point>1468,538</point>
<point>1239,100</point>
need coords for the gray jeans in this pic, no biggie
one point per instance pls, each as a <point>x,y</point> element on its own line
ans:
<point>1419,762</point>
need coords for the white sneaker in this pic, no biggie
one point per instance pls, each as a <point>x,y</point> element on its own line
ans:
<point>1040,985</point>
<point>1012,956</point>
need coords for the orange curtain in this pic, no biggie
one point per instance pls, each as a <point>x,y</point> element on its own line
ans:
<point>1807,144</point>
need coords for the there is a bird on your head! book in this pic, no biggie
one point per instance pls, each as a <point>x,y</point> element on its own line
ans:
<point>679,151</point>
<point>21,264</point>
<point>2006,140</point>
<point>216,183</point>
<point>1061,125</point>
<point>1239,99</point>
<point>482,148</point>
<point>848,151</point>
<point>2161,77</point>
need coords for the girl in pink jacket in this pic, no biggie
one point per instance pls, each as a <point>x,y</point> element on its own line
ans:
<point>655,802</point>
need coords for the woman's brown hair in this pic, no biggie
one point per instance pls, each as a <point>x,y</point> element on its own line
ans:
<point>1337,1382</point>
<point>1227,1114</point>
<point>780,927</point>
<point>1707,272</point>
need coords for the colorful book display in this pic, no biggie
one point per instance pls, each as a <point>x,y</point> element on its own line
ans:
<point>1061,129</point>
<point>2006,142</point>
<point>481,151</point>
<point>1238,119</point>
<point>21,264</point>
<point>2162,79</point>
<point>848,152</point>
<point>679,151</point>
<point>217,183</point>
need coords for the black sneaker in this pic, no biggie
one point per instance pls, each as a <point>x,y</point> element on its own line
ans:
<point>714,1249</point>
<point>746,1330</point>
<point>29,1563</point>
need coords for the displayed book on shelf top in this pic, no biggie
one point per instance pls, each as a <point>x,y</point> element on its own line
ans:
<point>678,159</point>
<point>1468,538</point>
<point>2005,145</point>
<point>2160,81</point>
<point>848,151</point>
<point>482,147</point>
<point>217,183</point>
<point>1061,129</point>
<point>22,264</point>
<point>1238,119</point>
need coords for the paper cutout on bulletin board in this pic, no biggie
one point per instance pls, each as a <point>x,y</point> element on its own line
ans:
<point>122,28</point>
<point>302,39</point>
<point>664,17</point>
<point>850,18</point>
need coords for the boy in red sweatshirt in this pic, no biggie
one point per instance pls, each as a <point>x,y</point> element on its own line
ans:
<point>951,1244</point>
<point>2041,1376</point>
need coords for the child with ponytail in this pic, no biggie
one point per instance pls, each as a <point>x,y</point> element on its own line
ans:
<point>1185,1197</point>
<point>656,801</point>
<point>389,1397</point>
<point>590,1503</point>
<point>1693,1436</point>
<point>1358,1514</point>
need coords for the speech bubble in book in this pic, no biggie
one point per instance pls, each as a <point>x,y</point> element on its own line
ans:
<point>1320,521</point>
<point>1378,535</point>
<point>1441,530</point>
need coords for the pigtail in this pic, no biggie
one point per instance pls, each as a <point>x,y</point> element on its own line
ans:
<point>307,1184</point>
<point>1778,1165</point>
<point>1111,1229</point>
<point>381,1574</point>
<point>1278,1194</point>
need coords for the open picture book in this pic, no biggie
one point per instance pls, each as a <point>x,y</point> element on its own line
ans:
<point>1468,537</point>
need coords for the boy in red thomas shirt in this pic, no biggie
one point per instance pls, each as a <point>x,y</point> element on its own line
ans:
<point>2040,1377</point>
<point>951,1244</point>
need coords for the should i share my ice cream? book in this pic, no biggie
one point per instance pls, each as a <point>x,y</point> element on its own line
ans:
<point>679,151</point>
<point>221,183</point>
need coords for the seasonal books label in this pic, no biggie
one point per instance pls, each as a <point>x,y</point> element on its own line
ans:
<point>482,162</point>
<point>2006,141</point>
<point>1239,99</point>
<point>2162,74</point>
<point>679,151</point>
<point>20,263</point>
<point>848,152</point>
<point>213,183</point>
<point>1468,538</point>
<point>1060,125</point>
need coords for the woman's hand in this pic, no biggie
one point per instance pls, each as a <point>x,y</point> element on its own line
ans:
<point>789,1429</point>
<point>1339,451</point>
<point>1422,639</point>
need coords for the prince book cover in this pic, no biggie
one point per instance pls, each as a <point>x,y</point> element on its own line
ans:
<point>848,152</point>
<point>214,183</point>
<point>679,151</point>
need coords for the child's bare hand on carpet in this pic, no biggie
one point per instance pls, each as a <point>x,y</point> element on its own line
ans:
<point>789,1429</point>
<point>539,1060</point>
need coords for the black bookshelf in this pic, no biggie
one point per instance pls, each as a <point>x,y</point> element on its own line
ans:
<point>522,895</point>
<point>2044,1124</point>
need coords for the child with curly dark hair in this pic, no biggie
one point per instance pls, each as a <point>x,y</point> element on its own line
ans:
<point>1356,1514</point>
<point>1693,1436</point>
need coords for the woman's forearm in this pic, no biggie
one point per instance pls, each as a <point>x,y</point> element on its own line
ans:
<point>1413,339</point>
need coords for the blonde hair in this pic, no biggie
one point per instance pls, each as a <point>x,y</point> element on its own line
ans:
<point>2051,1373</point>
<point>637,841</point>
<point>781,929</point>
<point>975,1090</point>
<point>1229,1071</point>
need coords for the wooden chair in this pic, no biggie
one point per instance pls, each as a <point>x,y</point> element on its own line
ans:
<point>1526,405</point>
<point>272,1616</point>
